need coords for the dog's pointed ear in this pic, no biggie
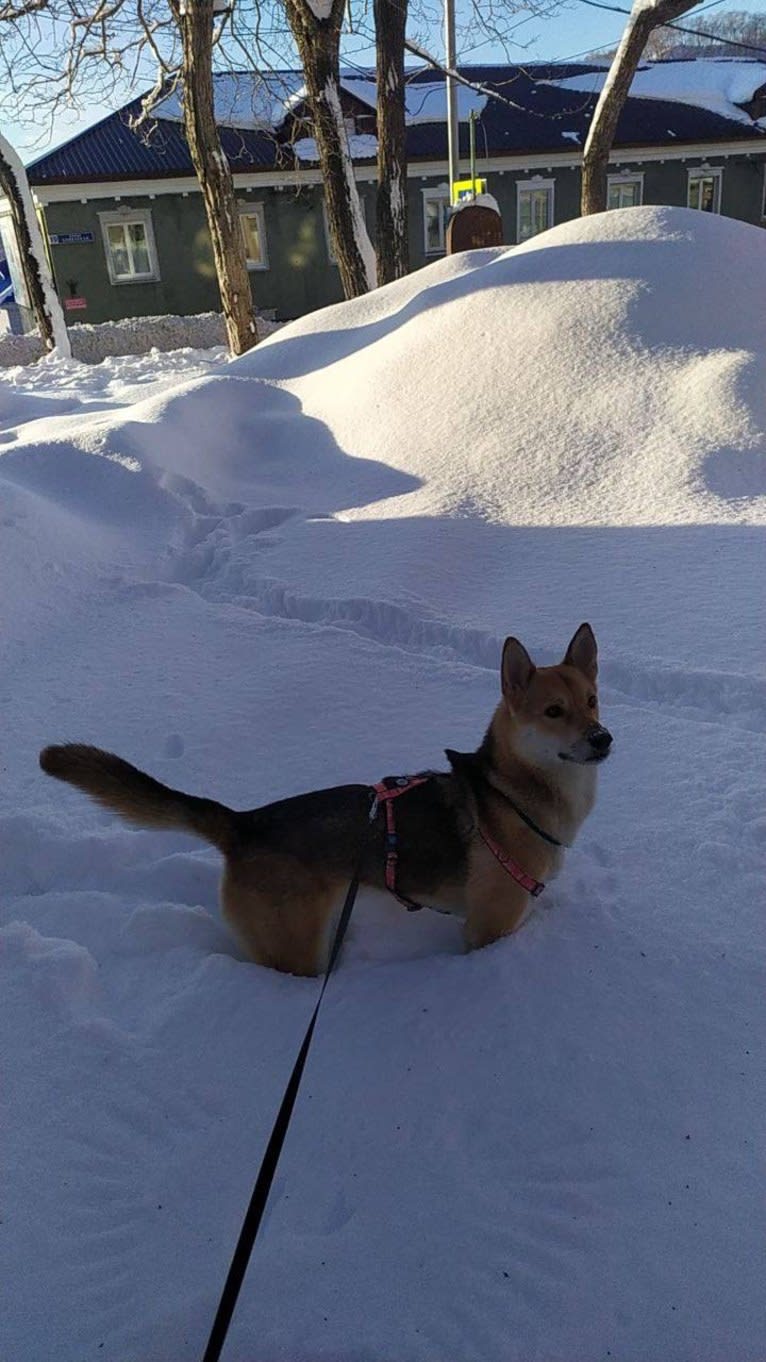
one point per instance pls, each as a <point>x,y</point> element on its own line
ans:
<point>516,672</point>
<point>582,652</point>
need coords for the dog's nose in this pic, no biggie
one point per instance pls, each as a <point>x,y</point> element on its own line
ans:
<point>599,738</point>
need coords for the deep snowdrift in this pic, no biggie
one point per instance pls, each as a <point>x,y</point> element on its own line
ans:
<point>296,569</point>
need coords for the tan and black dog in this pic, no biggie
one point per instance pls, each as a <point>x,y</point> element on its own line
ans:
<point>516,802</point>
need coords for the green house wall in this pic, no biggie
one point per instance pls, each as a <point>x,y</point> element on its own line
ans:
<point>300,276</point>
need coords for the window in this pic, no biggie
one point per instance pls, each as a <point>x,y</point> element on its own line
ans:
<point>436,207</point>
<point>253,226</point>
<point>534,207</point>
<point>625,191</point>
<point>705,190</point>
<point>131,254</point>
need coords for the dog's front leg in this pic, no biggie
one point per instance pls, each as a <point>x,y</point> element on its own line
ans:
<point>495,906</point>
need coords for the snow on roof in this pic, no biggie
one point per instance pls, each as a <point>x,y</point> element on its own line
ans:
<point>424,101</point>
<point>245,99</point>
<point>252,100</point>
<point>362,145</point>
<point>719,85</point>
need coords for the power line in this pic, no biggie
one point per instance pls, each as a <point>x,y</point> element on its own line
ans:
<point>679,28</point>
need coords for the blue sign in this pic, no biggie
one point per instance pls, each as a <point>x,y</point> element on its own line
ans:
<point>69,238</point>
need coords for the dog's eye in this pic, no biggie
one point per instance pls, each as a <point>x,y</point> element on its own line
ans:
<point>591,702</point>
<point>554,711</point>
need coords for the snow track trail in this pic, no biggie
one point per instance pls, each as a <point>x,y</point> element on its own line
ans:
<point>221,563</point>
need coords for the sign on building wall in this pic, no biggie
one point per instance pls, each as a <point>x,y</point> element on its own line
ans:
<point>75,304</point>
<point>70,238</point>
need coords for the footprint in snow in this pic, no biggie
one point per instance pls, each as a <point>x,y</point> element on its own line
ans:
<point>173,746</point>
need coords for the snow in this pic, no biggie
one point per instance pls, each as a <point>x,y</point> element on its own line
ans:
<point>424,101</point>
<point>245,99</point>
<point>362,145</point>
<point>718,85</point>
<point>478,201</point>
<point>259,576</point>
<point>248,99</point>
<point>92,342</point>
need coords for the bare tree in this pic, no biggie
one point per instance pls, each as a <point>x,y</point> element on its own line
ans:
<point>195,21</point>
<point>38,280</point>
<point>644,17</point>
<point>391,236</point>
<point>732,33</point>
<point>316,27</point>
<point>68,53</point>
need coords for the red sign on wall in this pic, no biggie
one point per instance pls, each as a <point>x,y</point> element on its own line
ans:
<point>74,304</point>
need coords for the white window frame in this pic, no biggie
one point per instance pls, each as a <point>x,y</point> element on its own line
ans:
<point>533,184</point>
<point>256,210</point>
<point>626,177</point>
<point>123,217</point>
<point>441,193</point>
<point>714,173</point>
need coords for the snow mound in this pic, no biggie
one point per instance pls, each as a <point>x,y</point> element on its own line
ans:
<point>621,357</point>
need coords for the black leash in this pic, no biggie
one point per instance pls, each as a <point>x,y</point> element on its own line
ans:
<point>252,1221</point>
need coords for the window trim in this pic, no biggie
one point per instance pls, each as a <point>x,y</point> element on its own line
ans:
<point>535,182</point>
<point>705,172</point>
<point>255,210</point>
<point>627,177</point>
<point>122,217</point>
<point>441,193</point>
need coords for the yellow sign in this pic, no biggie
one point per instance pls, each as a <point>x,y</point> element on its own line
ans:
<point>467,189</point>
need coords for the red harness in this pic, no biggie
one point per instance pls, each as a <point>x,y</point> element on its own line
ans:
<point>386,791</point>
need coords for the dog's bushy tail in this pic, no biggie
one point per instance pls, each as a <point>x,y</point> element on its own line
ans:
<point>137,797</point>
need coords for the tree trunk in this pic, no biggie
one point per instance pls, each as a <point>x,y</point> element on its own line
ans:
<point>643,19</point>
<point>391,235</point>
<point>318,42</point>
<point>214,175</point>
<point>43,298</point>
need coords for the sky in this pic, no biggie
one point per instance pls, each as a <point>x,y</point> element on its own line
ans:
<point>574,30</point>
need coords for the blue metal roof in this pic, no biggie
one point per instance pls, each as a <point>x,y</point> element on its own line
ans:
<point>544,118</point>
<point>112,150</point>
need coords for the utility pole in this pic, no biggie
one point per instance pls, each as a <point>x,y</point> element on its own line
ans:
<point>453,152</point>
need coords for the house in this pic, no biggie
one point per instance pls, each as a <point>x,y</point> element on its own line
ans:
<point>125,218</point>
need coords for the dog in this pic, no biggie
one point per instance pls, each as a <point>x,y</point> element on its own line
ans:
<point>477,840</point>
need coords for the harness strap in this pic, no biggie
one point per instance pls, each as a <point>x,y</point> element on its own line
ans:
<point>511,867</point>
<point>386,791</point>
